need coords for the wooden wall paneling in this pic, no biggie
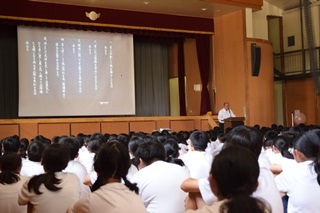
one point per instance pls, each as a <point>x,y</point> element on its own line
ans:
<point>115,127</point>
<point>205,125</point>
<point>7,130</point>
<point>85,128</point>
<point>182,125</point>
<point>28,130</point>
<point>301,95</point>
<point>144,126</point>
<point>260,89</point>
<point>230,61</point>
<point>162,124</point>
<point>54,129</point>
<point>193,98</point>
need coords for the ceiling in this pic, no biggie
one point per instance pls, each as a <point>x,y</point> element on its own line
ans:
<point>193,8</point>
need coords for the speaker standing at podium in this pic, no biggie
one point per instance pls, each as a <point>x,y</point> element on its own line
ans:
<point>223,114</point>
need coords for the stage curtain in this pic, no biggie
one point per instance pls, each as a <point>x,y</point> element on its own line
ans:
<point>181,78</point>
<point>203,55</point>
<point>8,72</point>
<point>151,78</point>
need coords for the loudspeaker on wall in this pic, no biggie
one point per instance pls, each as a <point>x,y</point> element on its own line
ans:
<point>255,59</point>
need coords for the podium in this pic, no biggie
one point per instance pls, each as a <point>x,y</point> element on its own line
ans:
<point>233,122</point>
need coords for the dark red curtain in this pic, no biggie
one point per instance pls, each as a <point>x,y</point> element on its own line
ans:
<point>181,74</point>
<point>203,53</point>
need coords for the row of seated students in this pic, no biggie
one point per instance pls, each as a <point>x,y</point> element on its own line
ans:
<point>164,172</point>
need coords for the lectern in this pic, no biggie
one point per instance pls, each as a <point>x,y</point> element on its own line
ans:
<point>233,122</point>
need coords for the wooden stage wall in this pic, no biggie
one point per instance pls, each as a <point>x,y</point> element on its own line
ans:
<point>49,127</point>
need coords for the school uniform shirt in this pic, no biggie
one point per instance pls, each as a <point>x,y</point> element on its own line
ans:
<point>86,159</point>
<point>30,168</point>
<point>266,191</point>
<point>198,163</point>
<point>300,184</point>
<point>112,197</point>
<point>159,187</point>
<point>52,201</point>
<point>9,197</point>
<point>78,169</point>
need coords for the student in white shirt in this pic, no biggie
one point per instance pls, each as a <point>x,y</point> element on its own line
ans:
<point>197,160</point>
<point>234,193</point>
<point>32,165</point>
<point>159,182</point>
<point>251,139</point>
<point>302,182</point>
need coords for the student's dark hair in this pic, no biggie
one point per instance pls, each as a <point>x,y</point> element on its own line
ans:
<point>309,144</point>
<point>172,152</point>
<point>199,140</point>
<point>98,135</point>
<point>42,139</point>
<point>9,164</point>
<point>113,161</point>
<point>71,143</point>
<point>35,150</point>
<point>236,161</point>
<point>151,150</point>
<point>245,136</point>
<point>24,143</point>
<point>55,158</point>
<point>282,144</point>
<point>11,144</point>
<point>94,144</point>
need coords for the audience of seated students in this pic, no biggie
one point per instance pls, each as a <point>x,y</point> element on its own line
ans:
<point>159,182</point>
<point>161,174</point>
<point>233,178</point>
<point>301,183</point>
<point>250,138</point>
<point>32,165</point>
<point>112,163</point>
<point>196,159</point>
<point>11,183</point>
<point>74,166</point>
<point>52,191</point>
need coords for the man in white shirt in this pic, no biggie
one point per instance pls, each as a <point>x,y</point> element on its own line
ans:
<point>158,181</point>
<point>223,114</point>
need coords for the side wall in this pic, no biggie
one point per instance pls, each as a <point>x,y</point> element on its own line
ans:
<point>249,97</point>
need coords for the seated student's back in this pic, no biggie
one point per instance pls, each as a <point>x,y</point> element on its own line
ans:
<point>53,191</point>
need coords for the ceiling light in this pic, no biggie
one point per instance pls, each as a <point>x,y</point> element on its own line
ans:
<point>146,2</point>
<point>204,9</point>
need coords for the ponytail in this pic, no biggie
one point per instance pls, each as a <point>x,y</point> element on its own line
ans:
<point>9,177</point>
<point>49,180</point>
<point>97,184</point>
<point>131,186</point>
